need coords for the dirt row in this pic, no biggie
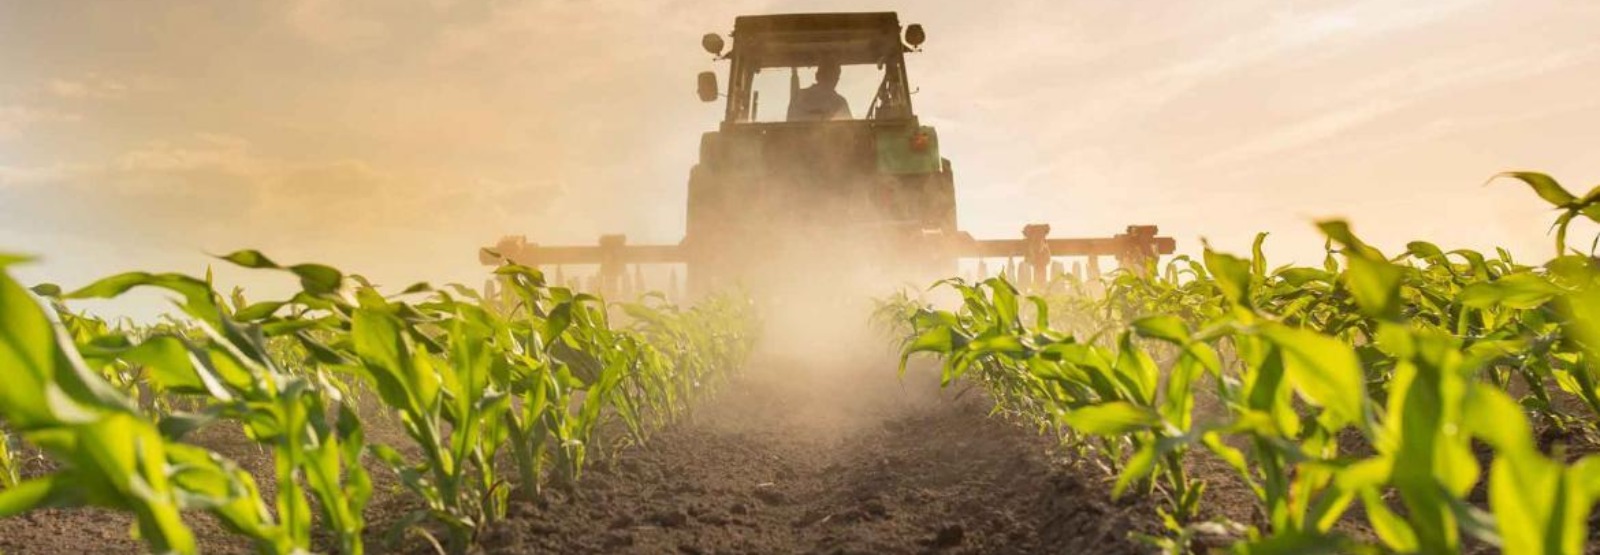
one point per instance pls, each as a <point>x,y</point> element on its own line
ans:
<point>794,456</point>
<point>795,461</point>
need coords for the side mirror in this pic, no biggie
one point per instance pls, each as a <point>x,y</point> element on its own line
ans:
<point>915,35</point>
<point>712,42</point>
<point>707,88</point>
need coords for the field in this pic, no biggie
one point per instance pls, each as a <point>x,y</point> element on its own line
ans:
<point>1431,401</point>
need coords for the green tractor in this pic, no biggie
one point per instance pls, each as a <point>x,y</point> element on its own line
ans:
<point>820,175</point>
<point>841,167</point>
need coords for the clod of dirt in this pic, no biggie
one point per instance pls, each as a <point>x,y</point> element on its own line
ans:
<point>618,539</point>
<point>505,536</point>
<point>522,509</point>
<point>672,519</point>
<point>771,496</point>
<point>949,536</point>
<point>852,515</point>
<point>875,508</point>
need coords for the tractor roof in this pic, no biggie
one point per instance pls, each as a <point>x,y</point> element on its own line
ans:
<point>808,39</point>
<point>745,26</point>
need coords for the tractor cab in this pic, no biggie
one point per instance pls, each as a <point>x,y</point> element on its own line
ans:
<point>771,52</point>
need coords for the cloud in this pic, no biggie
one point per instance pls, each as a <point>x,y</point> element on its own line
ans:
<point>1141,76</point>
<point>16,118</point>
<point>14,176</point>
<point>220,191</point>
<point>210,152</point>
<point>91,86</point>
<point>1410,86</point>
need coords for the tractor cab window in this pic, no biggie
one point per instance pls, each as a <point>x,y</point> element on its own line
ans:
<point>818,76</point>
<point>797,94</point>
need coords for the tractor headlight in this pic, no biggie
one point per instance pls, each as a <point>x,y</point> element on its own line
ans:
<point>915,35</point>
<point>712,42</point>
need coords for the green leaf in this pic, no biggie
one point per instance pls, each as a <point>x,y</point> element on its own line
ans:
<point>1518,291</point>
<point>1114,418</point>
<point>45,380</point>
<point>174,367</point>
<point>47,491</point>
<point>250,259</point>
<point>1375,284</point>
<point>1425,251</point>
<point>1324,370</point>
<point>8,259</point>
<point>994,341</point>
<point>1295,543</point>
<point>1165,327</point>
<point>318,279</point>
<point>1138,467</point>
<point>1393,530</point>
<point>315,279</point>
<point>1005,303</point>
<point>200,301</point>
<point>938,340</point>
<point>1258,261</point>
<point>1490,415</point>
<point>1545,186</point>
<point>27,359</point>
<point>258,311</point>
<point>1339,232</point>
<point>1136,370</point>
<point>1232,276</point>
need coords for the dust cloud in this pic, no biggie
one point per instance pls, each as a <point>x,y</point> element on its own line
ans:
<point>821,353</point>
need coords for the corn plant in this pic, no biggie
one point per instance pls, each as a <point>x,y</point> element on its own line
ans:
<point>316,440</point>
<point>112,456</point>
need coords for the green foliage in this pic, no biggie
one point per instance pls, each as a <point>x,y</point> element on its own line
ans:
<point>467,379</point>
<point>1408,358</point>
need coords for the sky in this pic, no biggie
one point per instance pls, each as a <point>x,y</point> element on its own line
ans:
<point>392,138</point>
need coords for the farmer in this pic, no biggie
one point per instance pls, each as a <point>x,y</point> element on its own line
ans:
<point>820,102</point>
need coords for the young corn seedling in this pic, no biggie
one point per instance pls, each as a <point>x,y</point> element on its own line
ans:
<point>114,457</point>
<point>236,379</point>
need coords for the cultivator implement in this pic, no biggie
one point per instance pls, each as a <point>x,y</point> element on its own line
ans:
<point>614,267</point>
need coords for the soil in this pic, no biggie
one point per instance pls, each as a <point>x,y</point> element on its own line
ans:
<point>786,461</point>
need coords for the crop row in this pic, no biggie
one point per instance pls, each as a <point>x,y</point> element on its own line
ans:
<point>1373,390</point>
<point>496,398</point>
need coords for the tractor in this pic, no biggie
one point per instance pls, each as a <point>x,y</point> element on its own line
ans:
<point>814,188</point>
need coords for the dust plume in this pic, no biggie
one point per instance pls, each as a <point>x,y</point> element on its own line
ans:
<point>821,352</point>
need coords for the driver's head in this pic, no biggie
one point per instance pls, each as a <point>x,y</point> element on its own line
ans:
<point>828,74</point>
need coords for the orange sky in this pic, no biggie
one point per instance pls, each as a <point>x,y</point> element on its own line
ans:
<point>392,138</point>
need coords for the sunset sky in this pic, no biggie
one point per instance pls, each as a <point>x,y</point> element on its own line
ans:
<point>393,138</point>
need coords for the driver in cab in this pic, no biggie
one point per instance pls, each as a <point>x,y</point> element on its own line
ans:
<point>820,102</point>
